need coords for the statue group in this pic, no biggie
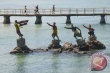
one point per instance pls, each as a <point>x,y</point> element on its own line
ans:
<point>55,46</point>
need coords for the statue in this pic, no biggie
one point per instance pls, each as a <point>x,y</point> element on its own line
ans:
<point>21,46</point>
<point>55,44</point>
<point>77,33</point>
<point>54,30</point>
<point>75,30</point>
<point>92,36</point>
<point>18,29</point>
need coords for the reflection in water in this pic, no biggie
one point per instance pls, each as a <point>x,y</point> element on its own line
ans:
<point>6,25</point>
<point>55,59</point>
<point>79,62</point>
<point>38,25</point>
<point>20,67</point>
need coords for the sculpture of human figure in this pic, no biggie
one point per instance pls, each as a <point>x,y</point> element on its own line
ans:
<point>18,29</point>
<point>91,30</point>
<point>55,33</point>
<point>75,30</point>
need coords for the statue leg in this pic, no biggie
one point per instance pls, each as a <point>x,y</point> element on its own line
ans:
<point>80,35</point>
<point>57,37</point>
<point>19,33</point>
<point>53,35</point>
<point>75,37</point>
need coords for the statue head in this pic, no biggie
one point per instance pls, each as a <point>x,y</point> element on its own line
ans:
<point>72,25</point>
<point>89,26</point>
<point>15,21</point>
<point>54,23</point>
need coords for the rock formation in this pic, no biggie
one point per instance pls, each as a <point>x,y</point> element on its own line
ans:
<point>84,47</point>
<point>21,47</point>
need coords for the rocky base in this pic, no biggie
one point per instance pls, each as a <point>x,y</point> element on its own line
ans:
<point>80,42</point>
<point>39,50</point>
<point>24,49</point>
<point>96,45</point>
<point>52,46</point>
<point>90,45</point>
<point>92,38</point>
<point>68,46</point>
<point>55,46</point>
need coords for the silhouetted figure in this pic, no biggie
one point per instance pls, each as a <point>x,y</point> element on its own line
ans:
<point>18,29</point>
<point>75,30</point>
<point>36,9</point>
<point>25,9</point>
<point>91,30</point>
<point>54,30</point>
<point>53,9</point>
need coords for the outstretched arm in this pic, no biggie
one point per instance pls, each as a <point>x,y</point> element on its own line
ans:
<point>85,27</point>
<point>68,27</point>
<point>20,26</point>
<point>49,24</point>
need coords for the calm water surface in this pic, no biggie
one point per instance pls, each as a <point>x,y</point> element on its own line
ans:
<point>40,36</point>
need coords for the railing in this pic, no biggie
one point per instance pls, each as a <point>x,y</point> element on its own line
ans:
<point>57,11</point>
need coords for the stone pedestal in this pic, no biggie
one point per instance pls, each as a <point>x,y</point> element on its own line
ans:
<point>80,42</point>
<point>92,38</point>
<point>21,47</point>
<point>55,46</point>
<point>84,48</point>
<point>55,42</point>
<point>21,42</point>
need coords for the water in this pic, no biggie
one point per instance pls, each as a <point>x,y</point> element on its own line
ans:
<point>40,36</point>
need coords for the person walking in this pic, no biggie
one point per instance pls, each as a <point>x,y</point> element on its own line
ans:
<point>37,9</point>
<point>25,9</point>
<point>53,9</point>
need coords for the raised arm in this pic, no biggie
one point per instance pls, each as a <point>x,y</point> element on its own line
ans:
<point>85,27</point>
<point>68,27</point>
<point>49,24</point>
<point>20,26</point>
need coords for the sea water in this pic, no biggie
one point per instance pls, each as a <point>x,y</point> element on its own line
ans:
<point>39,36</point>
